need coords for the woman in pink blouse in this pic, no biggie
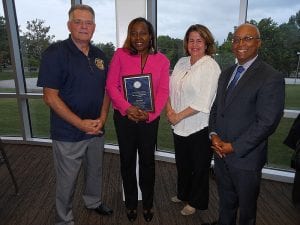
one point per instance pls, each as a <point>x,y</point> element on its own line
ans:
<point>133,68</point>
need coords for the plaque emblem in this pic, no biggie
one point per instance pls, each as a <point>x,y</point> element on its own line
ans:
<point>137,84</point>
<point>138,91</point>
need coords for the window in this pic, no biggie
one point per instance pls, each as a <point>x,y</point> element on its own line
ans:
<point>105,21</point>
<point>276,21</point>
<point>280,37</point>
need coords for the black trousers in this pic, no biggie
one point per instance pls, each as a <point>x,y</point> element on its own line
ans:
<point>238,191</point>
<point>193,157</point>
<point>296,188</point>
<point>132,138</point>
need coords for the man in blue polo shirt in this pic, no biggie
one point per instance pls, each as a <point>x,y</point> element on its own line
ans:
<point>73,75</point>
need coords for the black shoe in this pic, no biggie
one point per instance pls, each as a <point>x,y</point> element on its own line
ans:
<point>148,215</point>
<point>103,210</point>
<point>212,223</point>
<point>131,215</point>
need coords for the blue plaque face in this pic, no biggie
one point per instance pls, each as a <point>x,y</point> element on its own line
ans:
<point>138,91</point>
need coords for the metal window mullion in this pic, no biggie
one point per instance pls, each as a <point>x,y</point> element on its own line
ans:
<point>76,2</point>
<point>13,38</point>
<point>243,11</point>
<point>152,13</point>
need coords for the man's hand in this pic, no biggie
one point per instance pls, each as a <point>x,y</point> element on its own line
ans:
<point>220,147</point>
<point>91,126</point>
<point>217,145</point>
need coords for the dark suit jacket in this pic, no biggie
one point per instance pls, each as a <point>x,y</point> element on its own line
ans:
<point>250,114</point>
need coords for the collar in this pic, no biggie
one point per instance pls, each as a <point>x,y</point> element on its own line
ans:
<point>74,48</point>
<point>248,64</point>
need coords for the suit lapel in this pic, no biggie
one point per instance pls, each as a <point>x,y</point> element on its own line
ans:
<point>249,74</point>
<point>223,90</point>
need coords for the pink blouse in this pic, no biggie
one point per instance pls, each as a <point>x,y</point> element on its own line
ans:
<point>124,64</point>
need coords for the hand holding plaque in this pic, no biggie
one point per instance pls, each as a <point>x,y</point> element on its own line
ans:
<point>138,91</point>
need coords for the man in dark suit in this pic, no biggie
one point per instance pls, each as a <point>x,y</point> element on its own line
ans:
<point>246,111</point>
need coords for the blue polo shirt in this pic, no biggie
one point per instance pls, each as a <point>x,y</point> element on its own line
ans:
<point>80,80</point>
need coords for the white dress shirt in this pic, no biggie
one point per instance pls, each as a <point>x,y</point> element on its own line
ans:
<point>193,86</point>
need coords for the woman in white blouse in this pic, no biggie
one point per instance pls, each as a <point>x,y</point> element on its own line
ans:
<point>193,87</point>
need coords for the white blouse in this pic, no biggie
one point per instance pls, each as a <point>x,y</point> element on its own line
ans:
<point>193,86</point>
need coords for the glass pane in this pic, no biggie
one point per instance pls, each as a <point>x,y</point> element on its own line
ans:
<point>7,83</point>
<point>10,120</point>
<point>279,26</point>
<point>165,139</point>
<point>165,136</point>
<point>280,34</point>
<point>38,30</point>
<point>292,97</point>
<point>105,33</point>
<point>40,120</point>
<point>171,28</point>
<point>105,38</point>
<point>110,135</point>
<point>279,155</point>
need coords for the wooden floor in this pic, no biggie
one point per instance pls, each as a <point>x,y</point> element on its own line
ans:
<point>33,167</point>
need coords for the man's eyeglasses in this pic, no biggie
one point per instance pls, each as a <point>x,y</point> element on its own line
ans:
<point>246,39</point>
<point>79,22</point>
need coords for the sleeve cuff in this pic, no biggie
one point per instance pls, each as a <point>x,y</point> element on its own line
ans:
<point>211,134</point>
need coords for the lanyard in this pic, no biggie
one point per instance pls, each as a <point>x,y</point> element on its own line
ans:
<point>143,66</point>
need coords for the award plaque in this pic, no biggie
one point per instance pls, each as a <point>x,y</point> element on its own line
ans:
<point>138,91</point>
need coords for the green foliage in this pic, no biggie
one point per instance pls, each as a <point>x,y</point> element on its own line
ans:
<point>225,59</point>
<point>224,55</point>
<point>171,47</point>
<point>108,49</point>
<point>4,47</point>
<point>34,41</point>
<point>280,44</point>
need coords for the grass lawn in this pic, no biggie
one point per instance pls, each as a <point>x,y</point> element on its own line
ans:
<point>279,155</point>
<point>8,75</point>
<point>292,98</point>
